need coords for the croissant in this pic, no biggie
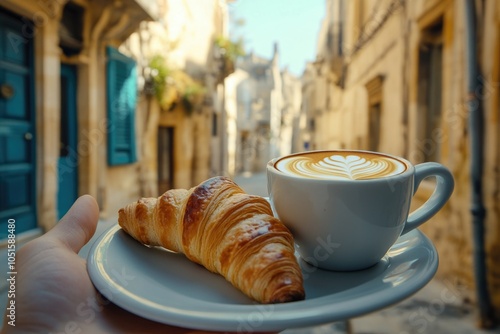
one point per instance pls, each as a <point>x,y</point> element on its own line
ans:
<point>229,232</point>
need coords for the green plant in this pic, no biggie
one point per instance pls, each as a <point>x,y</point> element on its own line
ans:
<point>159,75</point>
<point>229,49</point>
<point>193,95</point>
<point>171,86</point>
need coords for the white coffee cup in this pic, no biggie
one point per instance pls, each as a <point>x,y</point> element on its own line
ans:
<point>346,208</point>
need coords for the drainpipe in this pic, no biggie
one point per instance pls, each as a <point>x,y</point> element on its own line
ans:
<point>476,130</point>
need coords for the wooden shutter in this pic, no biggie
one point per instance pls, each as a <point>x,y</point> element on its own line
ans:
<point>121,103</point>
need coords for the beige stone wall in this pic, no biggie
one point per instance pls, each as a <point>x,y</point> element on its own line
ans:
<point>233,123</point>
<point>392,52</point>
<point>112,186</point>
<point>292,97</point>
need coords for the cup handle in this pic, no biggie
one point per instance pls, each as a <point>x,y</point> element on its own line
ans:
<point>441,194</point>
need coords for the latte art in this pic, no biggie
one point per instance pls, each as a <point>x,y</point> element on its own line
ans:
<point>348,166</point>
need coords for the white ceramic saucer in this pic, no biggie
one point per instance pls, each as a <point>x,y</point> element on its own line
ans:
<point>168,288</point>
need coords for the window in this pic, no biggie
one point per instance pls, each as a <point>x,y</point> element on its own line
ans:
<point>430,68</point>
<point>374,126</point>
<point>374,89</point>
<point>165,158</point>
<point>121,102</point>
<point>71,29</point>
<point>215,122</point>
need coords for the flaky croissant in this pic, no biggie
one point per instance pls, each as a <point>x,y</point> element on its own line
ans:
<point>229,232</point>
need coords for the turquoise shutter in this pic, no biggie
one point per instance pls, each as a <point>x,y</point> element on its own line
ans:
<point>121,103</point>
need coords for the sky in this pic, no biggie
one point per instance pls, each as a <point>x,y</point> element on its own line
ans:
<point>294,24</point>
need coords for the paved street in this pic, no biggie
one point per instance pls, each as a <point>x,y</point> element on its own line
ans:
<point>255,184</point>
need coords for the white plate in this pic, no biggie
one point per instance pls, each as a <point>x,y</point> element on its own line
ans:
<point>168,288</point>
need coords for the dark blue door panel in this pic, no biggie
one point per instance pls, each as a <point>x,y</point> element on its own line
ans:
<point>68,155</point>
<point>17,126</point>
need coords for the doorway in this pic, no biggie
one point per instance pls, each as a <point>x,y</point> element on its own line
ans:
<point>165,158</point>
<point>17,127</point>
<point>430,91</point>
<point>67,166</point>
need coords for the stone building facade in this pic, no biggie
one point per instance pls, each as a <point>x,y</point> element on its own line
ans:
<point>77,108</point>
<point>54,108</point>
<point>391,76</point>
<point>257,100</point>
<point>262,101</point>
<point>290,112</point>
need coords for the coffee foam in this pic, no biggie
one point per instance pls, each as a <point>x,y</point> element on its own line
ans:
<point>340,165</point>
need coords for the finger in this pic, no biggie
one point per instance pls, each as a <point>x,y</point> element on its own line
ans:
<point>78,225</point>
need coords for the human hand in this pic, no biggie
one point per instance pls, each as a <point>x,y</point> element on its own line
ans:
<point>54,293</point>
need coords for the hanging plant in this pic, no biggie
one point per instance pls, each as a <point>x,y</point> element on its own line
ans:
<point>174,87</point>
<point>192,96</point>
<point>229,49</point>
<point>228,52</point>
<point>160,77</point>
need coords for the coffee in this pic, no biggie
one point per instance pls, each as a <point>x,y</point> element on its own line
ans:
<point>338,165</point>
<point>341,223</point>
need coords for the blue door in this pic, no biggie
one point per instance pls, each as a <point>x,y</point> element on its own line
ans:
<point>17,127</point>
<point>68,149</point>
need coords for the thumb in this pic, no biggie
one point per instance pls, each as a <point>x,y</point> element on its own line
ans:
<point>78,225</point>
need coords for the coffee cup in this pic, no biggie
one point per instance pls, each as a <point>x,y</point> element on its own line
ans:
<point>346,208</point>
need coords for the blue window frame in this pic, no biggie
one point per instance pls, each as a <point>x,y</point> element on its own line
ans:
<point>121,103</point>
